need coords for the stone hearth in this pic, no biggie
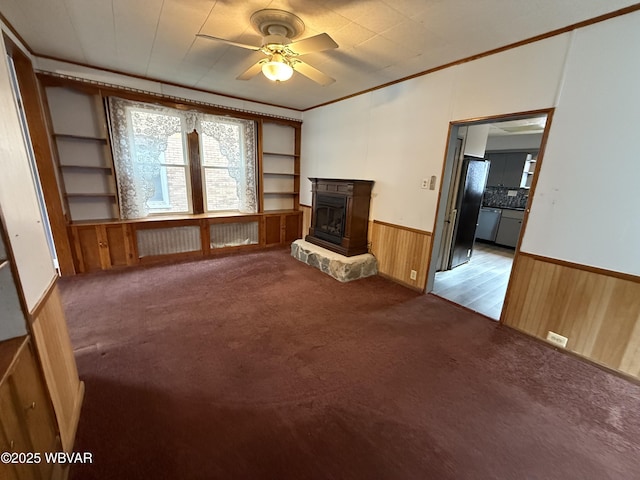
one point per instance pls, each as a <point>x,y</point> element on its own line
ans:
<point>344,269</point>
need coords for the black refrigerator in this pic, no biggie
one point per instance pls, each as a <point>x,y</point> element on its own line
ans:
<point>469,201</point>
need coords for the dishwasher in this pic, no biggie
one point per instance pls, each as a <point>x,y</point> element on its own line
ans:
<point>488,222</point>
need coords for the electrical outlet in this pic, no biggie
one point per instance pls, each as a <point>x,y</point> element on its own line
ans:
<point>413,275</point>
<point>557,339</point>
<point>425,183</point>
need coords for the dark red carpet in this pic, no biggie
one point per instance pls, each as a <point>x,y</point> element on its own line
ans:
<point>260,367</point>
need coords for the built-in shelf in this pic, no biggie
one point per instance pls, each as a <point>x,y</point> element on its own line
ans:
<point>282,174</point>
<point>85,167</point>
<point>293,155</point>
<point>80,137</point>
<point>89,195</point>
<point>280,167</point>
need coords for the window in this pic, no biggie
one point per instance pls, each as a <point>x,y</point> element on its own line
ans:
<point>153,168</point>
<point>228,163</point>
<point>159,161</point>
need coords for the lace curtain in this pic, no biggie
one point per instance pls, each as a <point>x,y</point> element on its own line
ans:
<point>237,144</point>
<point>140,133</point>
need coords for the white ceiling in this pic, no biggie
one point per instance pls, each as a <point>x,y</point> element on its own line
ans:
<point>379,40</point>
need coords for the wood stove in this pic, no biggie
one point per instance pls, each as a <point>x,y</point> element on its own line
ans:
<point>340,217</point>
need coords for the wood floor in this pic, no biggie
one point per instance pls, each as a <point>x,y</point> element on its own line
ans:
<point>480,284</point>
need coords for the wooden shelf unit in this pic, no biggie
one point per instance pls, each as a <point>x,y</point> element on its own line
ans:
<point>280,162</point>
<point>70,136</point>
<point>84,162</point>
<point>104,246</point>
<point>281,154</point>
<point>282,174</point>
<point>13,323</point>
<point>87,181</point>
<point>89,195</point>
<point>34,398</point>
<point>85,167</point>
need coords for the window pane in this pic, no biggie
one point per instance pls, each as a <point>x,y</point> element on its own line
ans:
<point>150,157</point>
<point>227,153</point>
<point>174,154</point>
<point>221,191</point>
<point>175,196</point>
<point>211,154</point>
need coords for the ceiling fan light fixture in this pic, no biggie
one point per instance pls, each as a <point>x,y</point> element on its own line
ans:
<point>277,69</point>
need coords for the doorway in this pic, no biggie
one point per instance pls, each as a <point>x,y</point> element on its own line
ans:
<point>489,171</point>
<point>32,162</point>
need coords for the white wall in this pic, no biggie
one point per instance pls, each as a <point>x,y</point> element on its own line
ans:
<point>18,200</point>
<point>123,80</point>
<point>587,204</point>
<point>585,210</point>
<point>397,135</point>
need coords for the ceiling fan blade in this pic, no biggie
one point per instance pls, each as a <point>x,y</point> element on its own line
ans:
<point>235,44</point>
<point>317,43</point>
<point>313,73</point>
<point>252,71</point>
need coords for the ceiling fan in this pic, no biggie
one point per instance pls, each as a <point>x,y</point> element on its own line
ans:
<point>278,28</point>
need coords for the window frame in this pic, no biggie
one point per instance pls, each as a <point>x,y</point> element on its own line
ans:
<point>204,167</point>
<point>193,152</point>
<point>164,181</point>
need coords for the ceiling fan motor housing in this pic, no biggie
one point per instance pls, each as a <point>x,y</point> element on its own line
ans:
<point>271,21</point>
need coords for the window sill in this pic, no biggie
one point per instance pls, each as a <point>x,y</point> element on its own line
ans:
<point>183,217</point>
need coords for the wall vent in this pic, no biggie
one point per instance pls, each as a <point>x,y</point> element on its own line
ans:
<point>233,234</point>
<point>166,241</point>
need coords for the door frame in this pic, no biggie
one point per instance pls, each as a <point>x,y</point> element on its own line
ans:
<point>448,168</point>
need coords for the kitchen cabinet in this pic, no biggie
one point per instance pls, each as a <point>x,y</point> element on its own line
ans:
<point>488,222</point>
<point>509,228</point>
<point>506,168</point>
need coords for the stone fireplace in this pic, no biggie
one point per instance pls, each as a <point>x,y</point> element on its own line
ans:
<point>340,215</point>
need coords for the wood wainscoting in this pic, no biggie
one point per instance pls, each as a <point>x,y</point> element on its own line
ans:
<point>53,346</point>
<point>399,250</point>
<point>307,211</point>
<point>597,310</point>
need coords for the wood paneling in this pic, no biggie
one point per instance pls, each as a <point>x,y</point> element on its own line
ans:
<point>103,246</point>
<point>36,411</point>
<point>306,220</point>
<point>399,250</point>
<point>117,239</point>
<point>27,421</point>
<point>598,311</point>
<point>87,245</point>
<point>272,229</point>
<point>55,352</point>
<point>292,224</point>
